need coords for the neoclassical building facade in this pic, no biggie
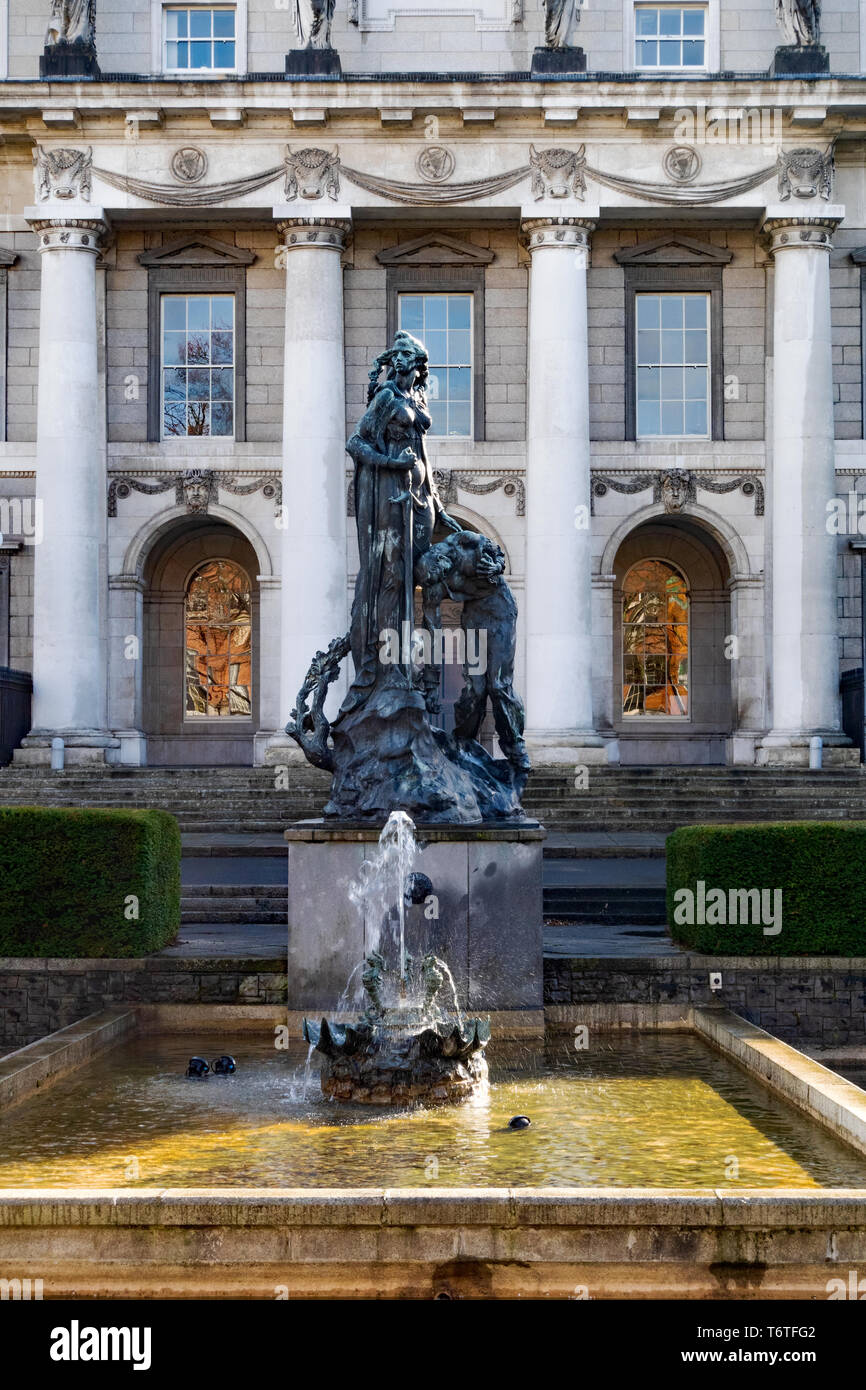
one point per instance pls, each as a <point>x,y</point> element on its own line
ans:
<point>640,288</point>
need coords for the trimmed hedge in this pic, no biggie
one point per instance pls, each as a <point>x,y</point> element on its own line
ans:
<point>67,878</point>
<point>820,867</point>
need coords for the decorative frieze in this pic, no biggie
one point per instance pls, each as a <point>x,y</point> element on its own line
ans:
<point>312,173</point>
<point>554,172</point>
<point>63,174</point>
<point>805,173</point>
<point>197,489</point>
<point>675,488</point>
<point>557,173</point>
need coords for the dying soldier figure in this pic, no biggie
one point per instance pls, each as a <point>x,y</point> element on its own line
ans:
<point>469,568</point>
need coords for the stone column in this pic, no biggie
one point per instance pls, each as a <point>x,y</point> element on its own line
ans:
<point>559,713</point>
<point>314,606</point>
<point>69,640</point>
<point>804,675</point>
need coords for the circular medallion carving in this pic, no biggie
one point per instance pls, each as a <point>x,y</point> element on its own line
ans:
<point>189,164</point>
<point>681,163</point>
<point>435,163</point>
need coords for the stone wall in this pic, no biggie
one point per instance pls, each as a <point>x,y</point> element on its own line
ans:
<point>809,1003</point>
<point>813,1003</point>
<point>435,42</point>
<point>40,996</point>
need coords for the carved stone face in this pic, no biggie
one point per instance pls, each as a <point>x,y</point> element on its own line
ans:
<point>313,172</point>
<point>675,491</point>
<point>196,494</point>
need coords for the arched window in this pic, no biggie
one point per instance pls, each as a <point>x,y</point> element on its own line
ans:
<point>655,641</point>
<point>218,628</point>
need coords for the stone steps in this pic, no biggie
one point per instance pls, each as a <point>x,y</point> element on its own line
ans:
<point>214,801</point>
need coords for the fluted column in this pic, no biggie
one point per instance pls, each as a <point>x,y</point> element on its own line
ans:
<point>69,638</point>
<point>314,602</point>
<point>804,678</point>
<point>559,711</point>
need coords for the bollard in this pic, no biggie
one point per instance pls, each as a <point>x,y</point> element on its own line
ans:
<point>58,749</point>
<point>816,752</point>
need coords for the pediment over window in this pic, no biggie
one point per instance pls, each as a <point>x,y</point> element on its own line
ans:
<point>435,249</point>
<point>673,250</point>
<point>197,250</point>
<point>7,258</point>
<point>859,255</point>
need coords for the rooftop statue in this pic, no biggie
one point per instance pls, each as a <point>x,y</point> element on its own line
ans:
<point>800,21</point>
<point>560,16</point>
<point>72,21</point>
<point>313,22</point>
<point>382,748</point>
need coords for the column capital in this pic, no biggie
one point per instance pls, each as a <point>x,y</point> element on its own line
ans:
<point>539,230</point>
<point>76,227</point>
<point>787,229</point>
<point>327,231</point>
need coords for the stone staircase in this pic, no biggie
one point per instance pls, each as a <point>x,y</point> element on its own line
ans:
<point>231,801</point>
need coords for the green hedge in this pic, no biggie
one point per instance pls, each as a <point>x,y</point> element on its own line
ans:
<point>819,866</point>
<point>67,878</point>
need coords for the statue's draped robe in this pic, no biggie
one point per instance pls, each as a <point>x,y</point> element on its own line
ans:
<point>558,18</point>
<point>71,21</point>
<point>800,21</point>
<point>390,424</point>
<point>313,22</point>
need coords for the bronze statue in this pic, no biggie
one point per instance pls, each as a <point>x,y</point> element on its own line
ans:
<point>381,747</point>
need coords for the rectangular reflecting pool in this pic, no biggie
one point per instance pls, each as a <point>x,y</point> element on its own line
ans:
<point>648,1110</point>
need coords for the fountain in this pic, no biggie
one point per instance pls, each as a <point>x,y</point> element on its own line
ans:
<point>389,763</point>
<point>405,1048</point>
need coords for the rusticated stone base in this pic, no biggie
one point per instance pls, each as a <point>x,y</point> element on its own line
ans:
<point>557,62</point>
<point>63,59</point>
<point>418,1082</point>
<point>799,60</point>
<point>313,62</point>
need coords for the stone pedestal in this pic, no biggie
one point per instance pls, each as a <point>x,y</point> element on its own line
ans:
<point>313,62</point>
<point>486,884</point>
<point>801,60</point>
<point>557,62</point>
<point>64,59</point>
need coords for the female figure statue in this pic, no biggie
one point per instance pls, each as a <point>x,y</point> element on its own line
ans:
<point>800,21</point>
<point>72,21</point>
<point>397,505</point>
<point>559,18</point>
<point>313,22</point>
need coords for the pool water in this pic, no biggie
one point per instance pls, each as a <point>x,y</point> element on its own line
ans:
<point>648,1110</point>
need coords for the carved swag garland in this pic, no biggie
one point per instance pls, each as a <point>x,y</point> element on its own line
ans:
<point>314,173</point>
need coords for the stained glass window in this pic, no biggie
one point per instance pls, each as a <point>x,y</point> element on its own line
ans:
<point>655,641</point>
<point>198,364</point>
<point>218,662</point>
